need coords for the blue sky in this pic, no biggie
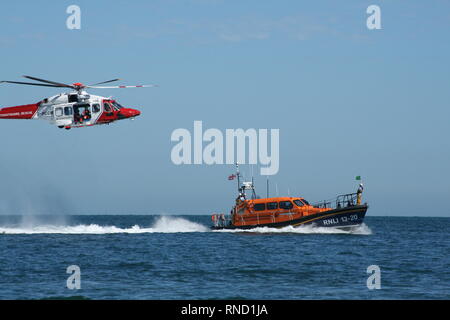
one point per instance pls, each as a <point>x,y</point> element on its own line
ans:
<point>348,101</point>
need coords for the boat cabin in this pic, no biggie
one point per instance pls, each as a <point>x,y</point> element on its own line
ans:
<point>268,210</point>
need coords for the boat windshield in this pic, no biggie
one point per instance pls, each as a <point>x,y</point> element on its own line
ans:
<point>301,203</point>
<point>298,203</point>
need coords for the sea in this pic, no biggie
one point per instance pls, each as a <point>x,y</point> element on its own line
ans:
<point>179,257</point>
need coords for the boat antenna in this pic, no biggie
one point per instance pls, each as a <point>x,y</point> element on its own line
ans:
<point>253,184</point>
<point>238,175</point>
<point>267,185</point>
<point>253,190</point>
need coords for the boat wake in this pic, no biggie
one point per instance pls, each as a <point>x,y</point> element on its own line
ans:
<point>163,224</point>
<point>362,229</point>
<point>170,224</point>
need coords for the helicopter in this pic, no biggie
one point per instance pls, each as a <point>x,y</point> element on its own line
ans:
<point>74,109</point>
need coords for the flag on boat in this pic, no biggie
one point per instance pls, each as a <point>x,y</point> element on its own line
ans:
<point>231,177</point>
<point>358,178</point>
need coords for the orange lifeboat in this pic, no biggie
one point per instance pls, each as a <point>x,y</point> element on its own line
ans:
<point>346,211</point>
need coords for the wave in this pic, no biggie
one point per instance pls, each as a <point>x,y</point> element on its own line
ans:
<point>163,224</point>
<point>362,229</point>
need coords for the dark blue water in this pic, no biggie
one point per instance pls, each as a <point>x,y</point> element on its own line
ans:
<point>151,257</point>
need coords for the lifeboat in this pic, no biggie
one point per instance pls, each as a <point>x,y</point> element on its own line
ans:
<point>345,212</point>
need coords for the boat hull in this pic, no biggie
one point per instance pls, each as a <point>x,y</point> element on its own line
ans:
<point>344,218</point>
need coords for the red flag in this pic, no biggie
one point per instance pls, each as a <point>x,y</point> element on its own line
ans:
<point>232,177</point>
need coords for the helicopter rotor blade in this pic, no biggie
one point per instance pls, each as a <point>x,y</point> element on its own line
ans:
<point>33,84</point>
<point>76,86</point>
<point>122,87</point>
<point>50,82</point>
<point>104,82</point>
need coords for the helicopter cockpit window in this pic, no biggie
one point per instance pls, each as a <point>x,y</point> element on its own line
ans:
<point>107,107</point>
<point>117,106</point>
<point>95,108</point>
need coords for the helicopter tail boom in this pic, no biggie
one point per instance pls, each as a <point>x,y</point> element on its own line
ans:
<point>19,112</point>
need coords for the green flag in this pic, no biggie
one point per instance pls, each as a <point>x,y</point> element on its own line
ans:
<point>358,178</point>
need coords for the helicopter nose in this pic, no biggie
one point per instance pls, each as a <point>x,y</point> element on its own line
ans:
<point>129,113</point>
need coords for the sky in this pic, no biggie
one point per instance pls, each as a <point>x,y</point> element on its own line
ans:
<point>347,101</point>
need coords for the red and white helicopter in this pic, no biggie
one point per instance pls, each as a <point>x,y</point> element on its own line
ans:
<point>72,109</point>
